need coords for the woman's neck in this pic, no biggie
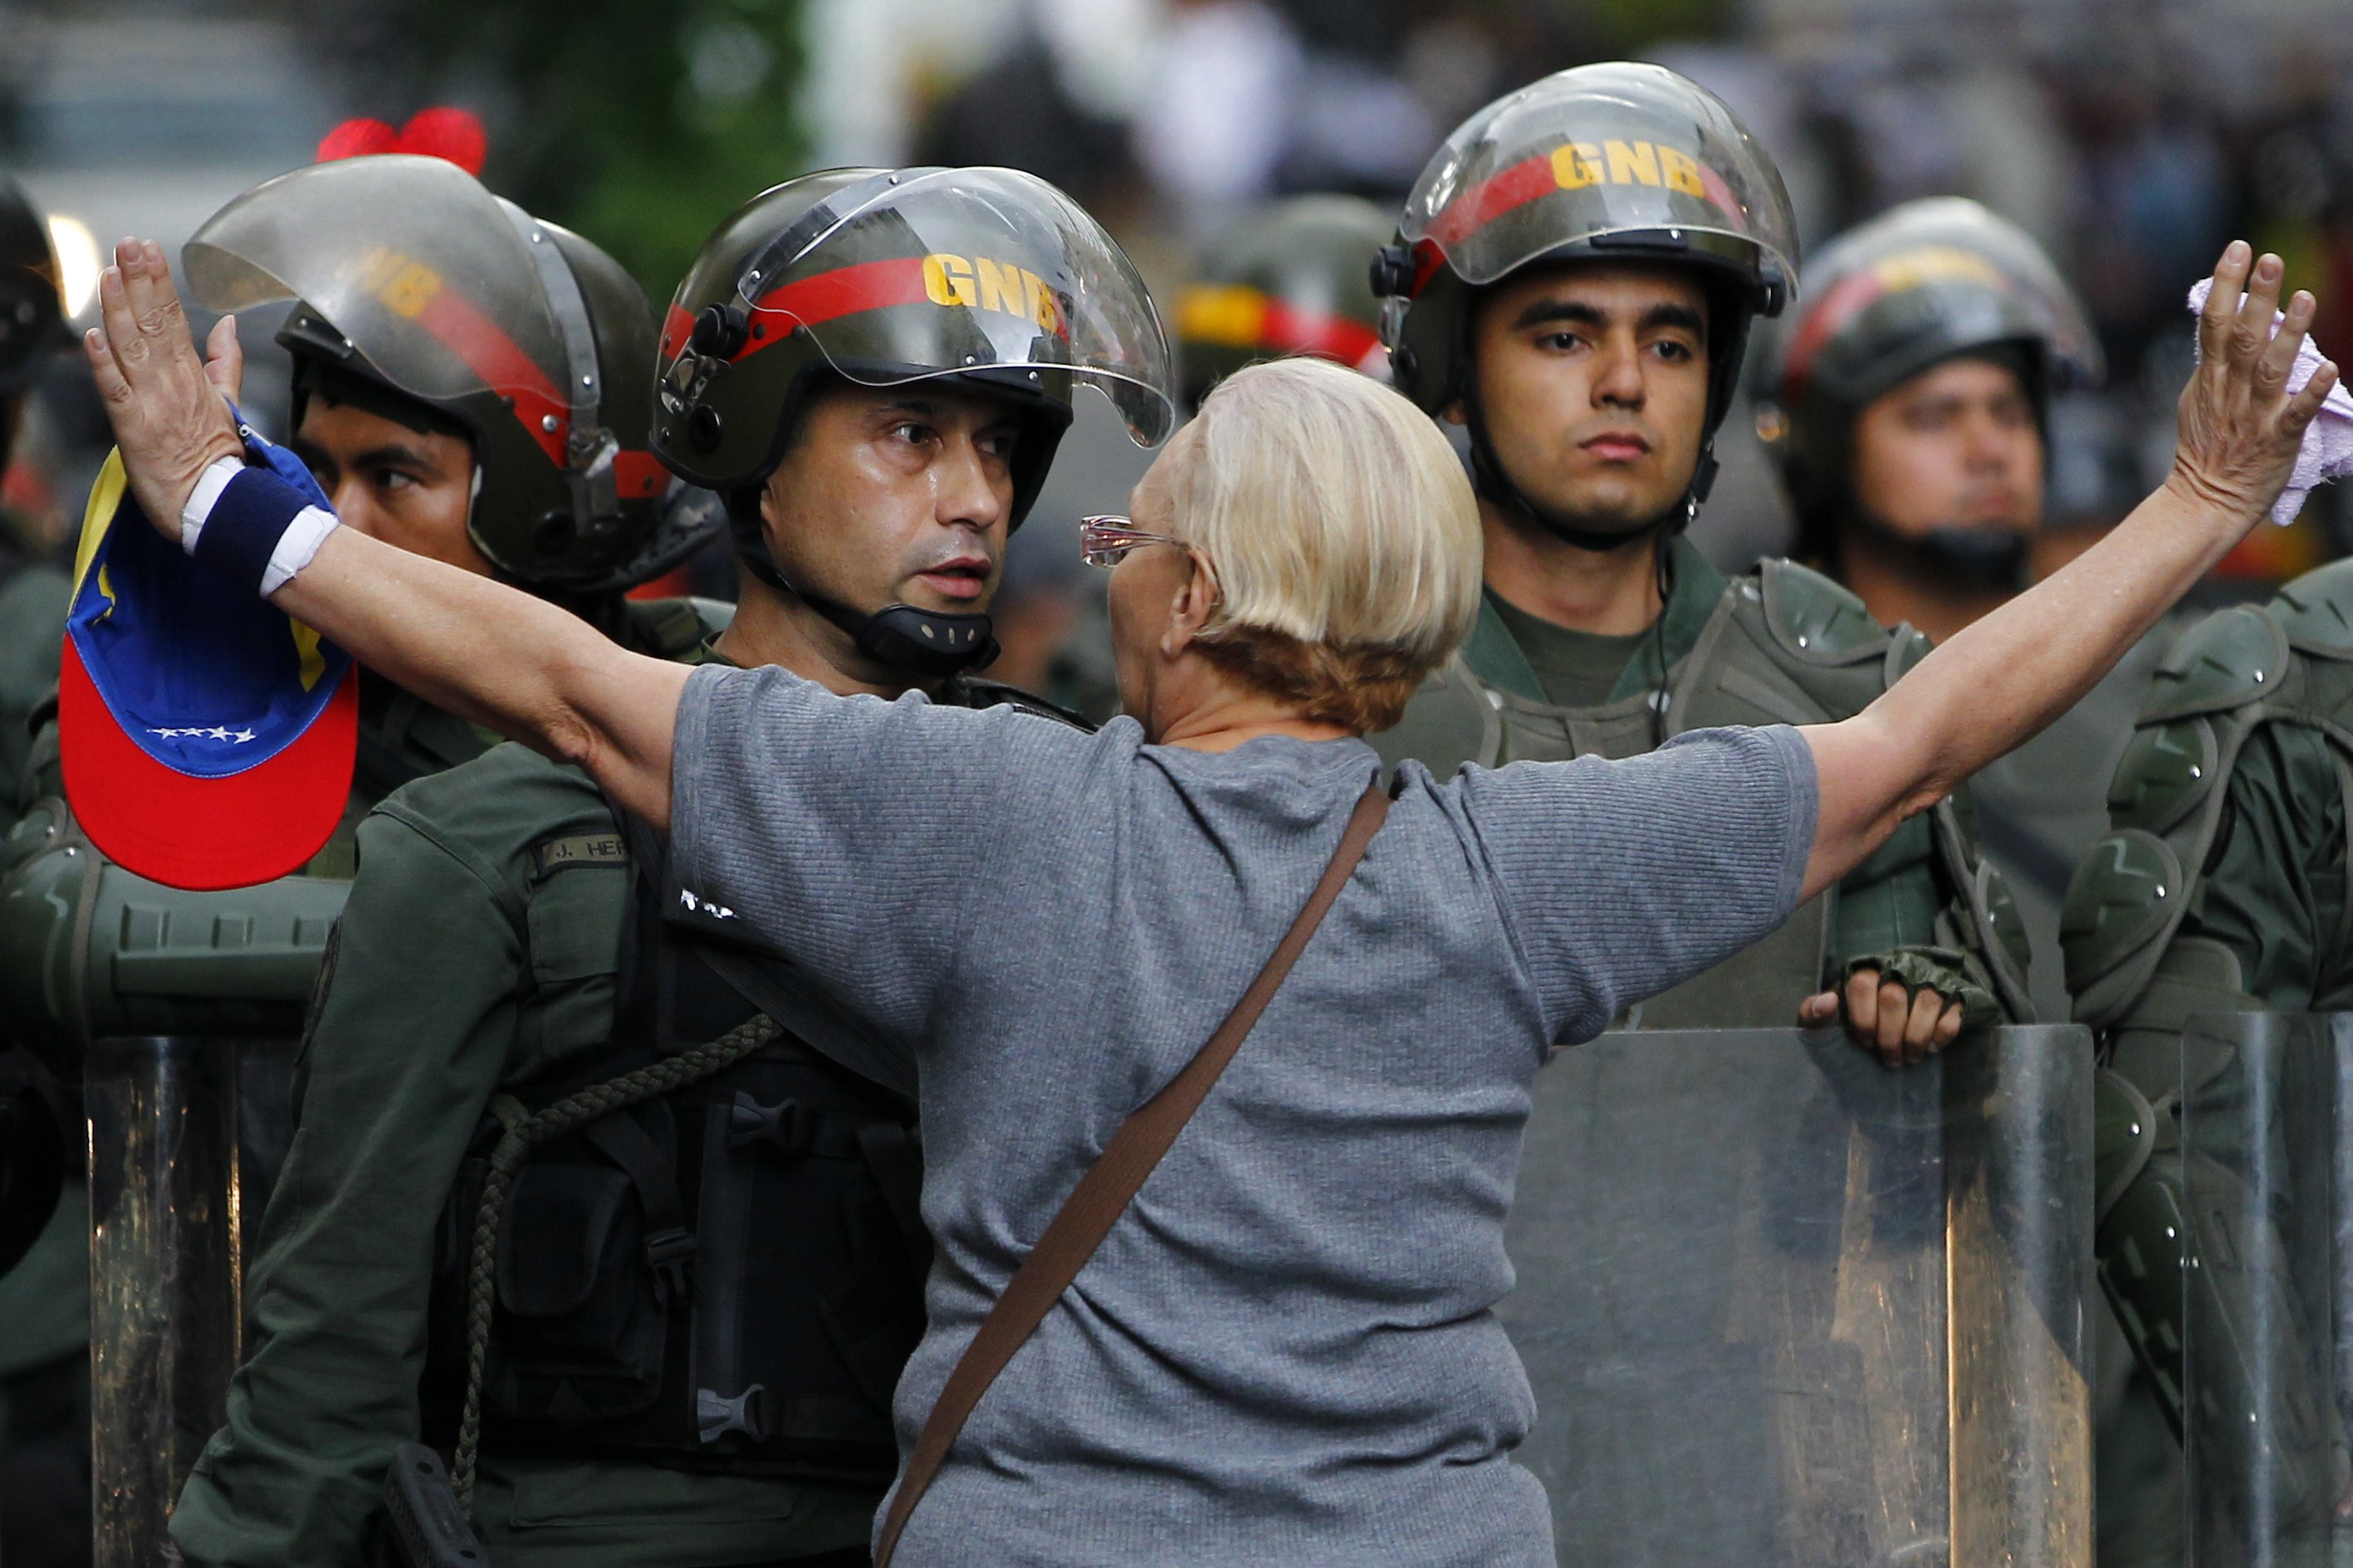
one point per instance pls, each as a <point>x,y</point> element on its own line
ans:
<point>1197,707</point>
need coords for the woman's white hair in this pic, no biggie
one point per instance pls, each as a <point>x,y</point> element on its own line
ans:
<point>1337,517</point>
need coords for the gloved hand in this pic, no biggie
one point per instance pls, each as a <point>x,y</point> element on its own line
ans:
<point>1907,1005</point>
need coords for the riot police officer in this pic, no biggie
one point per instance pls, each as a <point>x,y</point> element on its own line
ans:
<point>1292,277</point>
<point>1573,284</point>
<point>1907,404</point>
<point>2220,889</point>
<point>567,1201</point>
<point>481,475</point>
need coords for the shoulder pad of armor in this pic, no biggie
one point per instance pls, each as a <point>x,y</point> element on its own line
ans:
<point>2165,770</point>
<point>2126,900</point>
<point>979,693</point>
<point>2228,659</point>
<point>2317,611</point>
<point>1816,620</point>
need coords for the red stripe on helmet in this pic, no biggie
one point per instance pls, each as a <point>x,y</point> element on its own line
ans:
<point>473,337</point>
<point>1839,304</point>
<point>1490,198</point>
<point>1526,181</point>
<point>677,327</point>
<point>1288,330</point>
<point>638,475</point>
<point>844,291</point>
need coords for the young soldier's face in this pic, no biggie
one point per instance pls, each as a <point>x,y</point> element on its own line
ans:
<point>1593,380</point>
<point>896,496</point>
<point>411,488</point>
<point>1954,446</point>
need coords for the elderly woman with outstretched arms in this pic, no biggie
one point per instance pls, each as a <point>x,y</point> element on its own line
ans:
<point>1283,1347</point>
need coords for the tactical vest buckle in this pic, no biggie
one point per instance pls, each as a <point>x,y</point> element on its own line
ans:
<point>717,1414</point>
<point>791,1126</point>
<point>670,1255</point>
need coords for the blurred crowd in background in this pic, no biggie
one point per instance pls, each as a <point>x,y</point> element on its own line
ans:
<point>2131,138</point>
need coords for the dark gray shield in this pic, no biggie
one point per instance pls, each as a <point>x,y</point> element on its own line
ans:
<point>1782,1306</point>
<point>2267,1128</point>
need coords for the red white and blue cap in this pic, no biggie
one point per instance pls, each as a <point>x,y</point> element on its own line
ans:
<point>207,737</point>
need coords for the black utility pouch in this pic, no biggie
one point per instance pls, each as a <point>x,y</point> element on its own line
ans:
<point>589,1267</point>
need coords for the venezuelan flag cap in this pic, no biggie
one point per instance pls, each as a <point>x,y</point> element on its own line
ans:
<point>207,738</point>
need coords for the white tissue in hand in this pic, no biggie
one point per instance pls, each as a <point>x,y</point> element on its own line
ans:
<point>2327,452</point>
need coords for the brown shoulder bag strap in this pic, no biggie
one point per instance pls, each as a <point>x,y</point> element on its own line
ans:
<point>1104,1194</point>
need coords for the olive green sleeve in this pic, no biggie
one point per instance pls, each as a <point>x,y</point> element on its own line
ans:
<point>2267,912</point>
<point>1888,909</point>
<point>2273,889</point>
<point>407,1047</point>
<point>1890,900</point>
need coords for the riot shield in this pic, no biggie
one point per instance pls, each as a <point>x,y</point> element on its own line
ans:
<point>1782,1306</point>
<point>2267,1377</point>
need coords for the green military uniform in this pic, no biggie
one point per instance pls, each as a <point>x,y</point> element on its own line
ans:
<point>2221,887</point>
<point>57,994</point>
<point>407,1048</point>
<point>1780,644</point>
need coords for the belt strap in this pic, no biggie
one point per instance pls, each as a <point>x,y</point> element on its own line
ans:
<point>1103,1195</point>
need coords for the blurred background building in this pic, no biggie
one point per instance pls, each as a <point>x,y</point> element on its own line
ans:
<point>2131,138</point>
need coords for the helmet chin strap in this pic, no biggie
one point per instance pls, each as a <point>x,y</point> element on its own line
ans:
<point>1490,479</point>
<point>930,645</point>
<point>1993,560</point>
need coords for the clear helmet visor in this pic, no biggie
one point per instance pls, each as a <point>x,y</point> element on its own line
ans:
<point>419,268</point>
<point>962,271</point>
<point>1598,151</point>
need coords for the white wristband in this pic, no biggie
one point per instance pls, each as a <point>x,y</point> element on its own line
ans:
<point>296,546</point>
<point>201,500</point>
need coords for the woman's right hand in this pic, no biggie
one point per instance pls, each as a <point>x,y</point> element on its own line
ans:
<point>2240,428</point>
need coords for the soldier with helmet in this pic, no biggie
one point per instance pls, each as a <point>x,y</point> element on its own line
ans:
<point>581,1198</point>
<point>2220,888</point>
<point>1908,404</point>
<point>470,383</point>
<point>543,479</point>
<point>1573,283</point>
<point>1291,277</point>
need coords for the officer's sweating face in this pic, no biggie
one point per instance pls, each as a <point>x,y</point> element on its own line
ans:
<point>409,488</point>
<point>896,496</point>
<point>1594,383</point>
<point>1954,446</point>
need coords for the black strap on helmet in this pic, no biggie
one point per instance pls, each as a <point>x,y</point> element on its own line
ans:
<point>930,645</point>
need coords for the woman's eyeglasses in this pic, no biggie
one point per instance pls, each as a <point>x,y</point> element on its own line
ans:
<point>1105,541</point>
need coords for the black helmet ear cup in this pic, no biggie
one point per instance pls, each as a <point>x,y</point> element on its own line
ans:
<point>1393,271</point>
<point>719,332</point>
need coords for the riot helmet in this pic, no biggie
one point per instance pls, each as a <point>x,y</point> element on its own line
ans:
<point>32,312</point>
<point>1292,277</point>
<point>1924,282</point>
<point>415,285</point>
<point>1609,163</point>
<point>986,279</point>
